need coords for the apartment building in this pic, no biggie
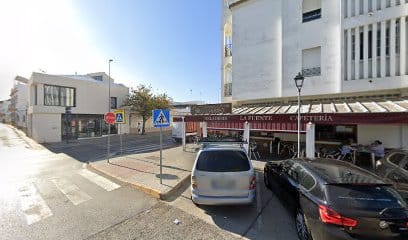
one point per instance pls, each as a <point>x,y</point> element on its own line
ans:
<point>352,54</point>
<point>18,103</point>
<point>86,95</point>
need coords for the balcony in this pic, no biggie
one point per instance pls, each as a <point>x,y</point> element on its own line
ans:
<point>227,89</point>
<point>228,50</point>
<point>312,15</point>
<point>310,72</point>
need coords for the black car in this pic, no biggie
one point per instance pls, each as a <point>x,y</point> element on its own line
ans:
<point>333,199</point>
<point>393,168</point>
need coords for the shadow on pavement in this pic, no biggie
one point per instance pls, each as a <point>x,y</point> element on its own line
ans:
<point>138,170</point>
<point>95,149</point>
<point>167,176</point>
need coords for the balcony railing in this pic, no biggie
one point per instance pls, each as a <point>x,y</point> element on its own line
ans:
<point>312,15</point>
<point>310,72</point>
<point>227,89</point>
<point>228,50</point>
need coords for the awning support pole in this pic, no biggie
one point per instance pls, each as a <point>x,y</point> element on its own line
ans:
<point>310,140</point>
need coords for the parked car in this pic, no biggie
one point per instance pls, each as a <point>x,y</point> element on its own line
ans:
<point>333,199</point>
<point>222,175</point>
<point>393,168</point>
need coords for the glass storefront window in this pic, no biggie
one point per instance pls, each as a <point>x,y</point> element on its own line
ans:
<point>85,125</point>
<point>336,133</point>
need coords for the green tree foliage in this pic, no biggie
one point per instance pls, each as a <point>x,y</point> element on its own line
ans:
<point>143,101</point>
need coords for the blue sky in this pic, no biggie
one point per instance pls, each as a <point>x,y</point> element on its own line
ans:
<point>174,46</point>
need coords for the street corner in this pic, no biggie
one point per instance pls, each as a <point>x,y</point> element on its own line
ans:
<point>183,183</point>
<point>144,177</point>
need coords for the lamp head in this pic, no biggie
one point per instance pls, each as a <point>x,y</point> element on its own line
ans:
<point>110,60</point>
<point>299,80</point>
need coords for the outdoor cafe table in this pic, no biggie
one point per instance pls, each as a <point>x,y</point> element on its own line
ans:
<point>364,152</point>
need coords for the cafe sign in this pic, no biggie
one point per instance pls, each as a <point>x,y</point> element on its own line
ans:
<point>334,118</point>
<point>222,108</point>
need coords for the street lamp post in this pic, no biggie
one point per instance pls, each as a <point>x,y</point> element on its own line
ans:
<point>299,84</point>
<point>109,107</point>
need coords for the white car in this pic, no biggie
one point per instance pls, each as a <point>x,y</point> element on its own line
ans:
<point>222,176</point>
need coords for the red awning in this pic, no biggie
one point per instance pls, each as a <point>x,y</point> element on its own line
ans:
<point>257,126</point>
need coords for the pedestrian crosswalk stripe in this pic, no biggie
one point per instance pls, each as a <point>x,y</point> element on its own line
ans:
<point>33,205</point>
<point>99,180</point>
<point>71,191</point>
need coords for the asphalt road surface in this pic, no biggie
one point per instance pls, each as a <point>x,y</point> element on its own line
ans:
<point>94,149</point>
<point>50,195</point>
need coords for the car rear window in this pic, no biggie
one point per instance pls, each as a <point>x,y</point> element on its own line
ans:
<point>223,161</point>
<point>364,197</point>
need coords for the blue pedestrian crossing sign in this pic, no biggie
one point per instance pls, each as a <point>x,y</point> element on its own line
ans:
<point>161,118</point>
<point>120,116</point>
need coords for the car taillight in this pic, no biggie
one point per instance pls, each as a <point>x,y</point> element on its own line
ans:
<point>252,183</point>
<point>193,182</point>
<point>328,215</point>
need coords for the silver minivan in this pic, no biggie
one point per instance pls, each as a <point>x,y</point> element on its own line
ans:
<point>222,176</point>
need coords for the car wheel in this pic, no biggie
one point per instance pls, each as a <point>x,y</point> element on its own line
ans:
<point>301,226</point>
<point>266,181</point>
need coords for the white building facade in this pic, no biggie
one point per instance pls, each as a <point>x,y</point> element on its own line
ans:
<point>345,49</point>
<point>4,113</point>
<point>18,104</point>
<point>86,95</point>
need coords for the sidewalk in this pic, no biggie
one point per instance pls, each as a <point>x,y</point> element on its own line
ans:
<point>142,171</point>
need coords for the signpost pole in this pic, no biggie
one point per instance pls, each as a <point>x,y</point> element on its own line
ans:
<point>120,139</point>
<point>161,118</point>
<point>108,141</point>
<point>161,159</point>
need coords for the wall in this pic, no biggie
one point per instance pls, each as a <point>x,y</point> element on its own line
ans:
<point>297,37</point>
<point>389,135</point>
<point>46,127</point>
<point>257,49</point>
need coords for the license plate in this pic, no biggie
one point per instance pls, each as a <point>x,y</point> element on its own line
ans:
<point>223,184</point>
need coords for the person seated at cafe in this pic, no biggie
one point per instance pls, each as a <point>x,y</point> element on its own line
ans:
<point>378,149</point>
<point>346,149</point>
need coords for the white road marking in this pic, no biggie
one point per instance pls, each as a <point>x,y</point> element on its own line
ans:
<point>71,191</point>
<point>33,205</point>
<point>99,180</point>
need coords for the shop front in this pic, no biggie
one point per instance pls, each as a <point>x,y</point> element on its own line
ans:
<point>362,123</point>
<point>85,126</point>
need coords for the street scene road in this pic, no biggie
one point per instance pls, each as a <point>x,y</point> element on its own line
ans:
<point>52,196</point>
<point>48,195</point>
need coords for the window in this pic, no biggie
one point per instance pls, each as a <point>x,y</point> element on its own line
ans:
<point>312,10</point>
<point>361,45</point>
<point>353,47</point>
<point>337,133</point>
<point>378,43</point>
<point>304,178</point>
<point>114,102</point>
<point>397,37</point>
<point>364,197</point>
<point>311,61</point>
<point>312,15</point>
<point>387,42</point>
<point>223,161</point>
<point>396,158</point>
<point>99,78</point>
<point>59,96</point>
<point>370,44</point>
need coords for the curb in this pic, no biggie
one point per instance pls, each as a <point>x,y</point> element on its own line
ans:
<point>146,189</point>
